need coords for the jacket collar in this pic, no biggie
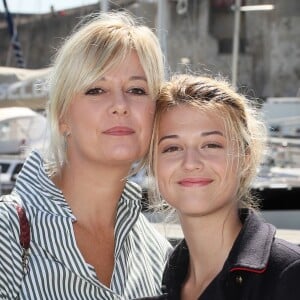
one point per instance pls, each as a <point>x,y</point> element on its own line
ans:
<point>250,251</point>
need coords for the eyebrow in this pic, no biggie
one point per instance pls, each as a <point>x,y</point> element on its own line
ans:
<point>212,132</point>
<point>131,78</point>
<point>138,78</point>
<point>174,136</point>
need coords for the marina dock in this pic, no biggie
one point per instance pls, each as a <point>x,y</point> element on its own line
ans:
<point>174,233</point>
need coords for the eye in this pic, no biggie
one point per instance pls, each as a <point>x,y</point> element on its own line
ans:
<point>170,149</point>
<point>94,91</point>
<point>212,146</point>
<point>137,91</point>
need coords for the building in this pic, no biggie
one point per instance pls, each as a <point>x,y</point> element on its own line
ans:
<point>196,35</point>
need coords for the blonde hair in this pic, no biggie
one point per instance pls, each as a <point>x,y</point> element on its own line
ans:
<point>240,119</point>
<point>99,43</point>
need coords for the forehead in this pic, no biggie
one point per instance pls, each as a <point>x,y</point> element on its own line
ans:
<point>187,117</point>
<point>129,66</point>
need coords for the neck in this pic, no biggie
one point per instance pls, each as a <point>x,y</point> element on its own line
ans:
<point>92,191</point>
<point>209,239</point>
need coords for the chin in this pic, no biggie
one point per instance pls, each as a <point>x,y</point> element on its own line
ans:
<point>193,213</point>
<point>195,209</point>
<point>125,157</point>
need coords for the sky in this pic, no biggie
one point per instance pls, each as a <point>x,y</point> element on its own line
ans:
<point>42,6</point>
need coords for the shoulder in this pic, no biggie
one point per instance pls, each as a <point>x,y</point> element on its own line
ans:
<point>284,252</point>
<point>8,212</point>
<point>151,236</point>
<point>285,263</point>
<point>285,257</point>
<point>10,248</point>
<point>9,226</point>
<point>9,219</point>
<point>149,228</point>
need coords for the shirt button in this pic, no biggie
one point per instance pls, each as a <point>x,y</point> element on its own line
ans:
<point>239,279</point>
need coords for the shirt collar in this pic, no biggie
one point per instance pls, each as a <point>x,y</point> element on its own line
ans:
<point>39,191</point>
<point>129,209</point>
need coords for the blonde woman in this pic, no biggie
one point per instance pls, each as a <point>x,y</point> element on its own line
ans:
<point>88,237</point>
<point>207,145</point>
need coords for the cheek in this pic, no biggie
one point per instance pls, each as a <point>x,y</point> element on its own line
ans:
<point>83,126</point>
<point>225,166</point>
<point>230,177</point>
<point>146,118</point>
<point>149,112</point>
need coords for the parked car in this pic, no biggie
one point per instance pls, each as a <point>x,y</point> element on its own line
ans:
<point>10,166</point>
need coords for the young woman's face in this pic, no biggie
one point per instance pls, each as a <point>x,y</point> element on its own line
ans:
<point>111,121</point>
<point>196,162</point>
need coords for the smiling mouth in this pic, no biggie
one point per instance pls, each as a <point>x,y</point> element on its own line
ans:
<point>194,182</point>
<point>119,131</point>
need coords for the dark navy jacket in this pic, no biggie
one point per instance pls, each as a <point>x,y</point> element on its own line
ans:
<point>259,267</point>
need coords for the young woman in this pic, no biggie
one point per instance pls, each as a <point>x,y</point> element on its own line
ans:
<point>88,238</point>
<point>206,148</point>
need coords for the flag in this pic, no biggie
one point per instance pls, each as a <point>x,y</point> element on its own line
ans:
<point>16,46</point>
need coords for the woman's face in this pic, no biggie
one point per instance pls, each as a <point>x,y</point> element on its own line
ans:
<point>196,162</point>
<point>111,121</point>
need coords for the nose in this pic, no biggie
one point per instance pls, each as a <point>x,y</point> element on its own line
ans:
<point>192,160</point>
<point>119,105</point>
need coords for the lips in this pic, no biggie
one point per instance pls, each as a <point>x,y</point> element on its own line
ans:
<point>194,182</point>
<point>119,131</point>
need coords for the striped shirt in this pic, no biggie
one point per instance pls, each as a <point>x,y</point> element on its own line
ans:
<point>57,269</point>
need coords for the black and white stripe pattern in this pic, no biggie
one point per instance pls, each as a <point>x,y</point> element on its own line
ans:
<point>56,268</point>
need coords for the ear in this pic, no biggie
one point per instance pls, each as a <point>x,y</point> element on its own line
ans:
<point>64,128</point>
